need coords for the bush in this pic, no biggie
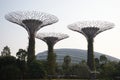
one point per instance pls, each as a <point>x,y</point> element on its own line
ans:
<point>10,72</point>
<point>7,60</point>
<point>36,70</point>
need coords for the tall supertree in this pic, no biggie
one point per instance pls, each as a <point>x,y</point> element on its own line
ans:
<point>90,29</point>
<point>51,39</point>
<point>32,21</point>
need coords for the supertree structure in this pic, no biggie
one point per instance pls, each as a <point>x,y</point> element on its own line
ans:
<point>90,29</point>
<point>51,39</point>
<point>32,21</point>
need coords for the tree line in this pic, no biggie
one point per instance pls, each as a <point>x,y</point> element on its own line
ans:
<point>16,67</point>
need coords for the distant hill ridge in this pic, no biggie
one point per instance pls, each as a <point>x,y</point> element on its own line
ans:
<point>75,53</point>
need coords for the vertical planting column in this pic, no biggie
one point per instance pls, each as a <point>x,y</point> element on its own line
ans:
<point>90,29</point>
<point>51,39</point>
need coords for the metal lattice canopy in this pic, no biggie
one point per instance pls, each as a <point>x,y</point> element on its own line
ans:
<point>51,37</point>
<point>90,28</point>
<point>32,21</point>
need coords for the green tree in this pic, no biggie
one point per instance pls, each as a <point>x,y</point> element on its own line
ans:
<point>22,54</point>
<point>103,59</point>
<point>6,51</point>
<point>10,72</point>
<point>21,62</point>
<point>97,63</point>
<point>22,65</point>
<point>7,60</point>
<point>117,72</point>
<point>36,70</point>
<point>67,60</point>
<point>80,70</point>
<point>66,65</point>
<point>108,70</point>
<point>8,68</point>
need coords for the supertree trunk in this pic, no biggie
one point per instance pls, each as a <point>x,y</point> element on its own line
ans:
<point>51,39</point>
<point>51,60</point>
<point>90,52</point>
<point>90,29</point>
<point>31,48</point>
<point>90,59</point>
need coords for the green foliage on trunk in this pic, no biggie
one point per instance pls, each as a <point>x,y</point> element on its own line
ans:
<point>51,60</point>
<point>31,48</point>
<point>90,59</point>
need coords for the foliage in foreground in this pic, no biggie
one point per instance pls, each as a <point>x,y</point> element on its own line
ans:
<point>12,68</point>
<point>17,68</point>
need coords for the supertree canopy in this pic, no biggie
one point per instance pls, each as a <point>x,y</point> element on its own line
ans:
<point>51,39</point>
<point>32,21</point>
<point>90,29</point>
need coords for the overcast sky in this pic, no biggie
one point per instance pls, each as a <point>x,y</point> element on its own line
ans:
<point>68,11</point>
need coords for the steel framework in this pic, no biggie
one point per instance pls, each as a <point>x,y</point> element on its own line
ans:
<point>32,21</point>
<point>90,29</point>
<point>51,39</point>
